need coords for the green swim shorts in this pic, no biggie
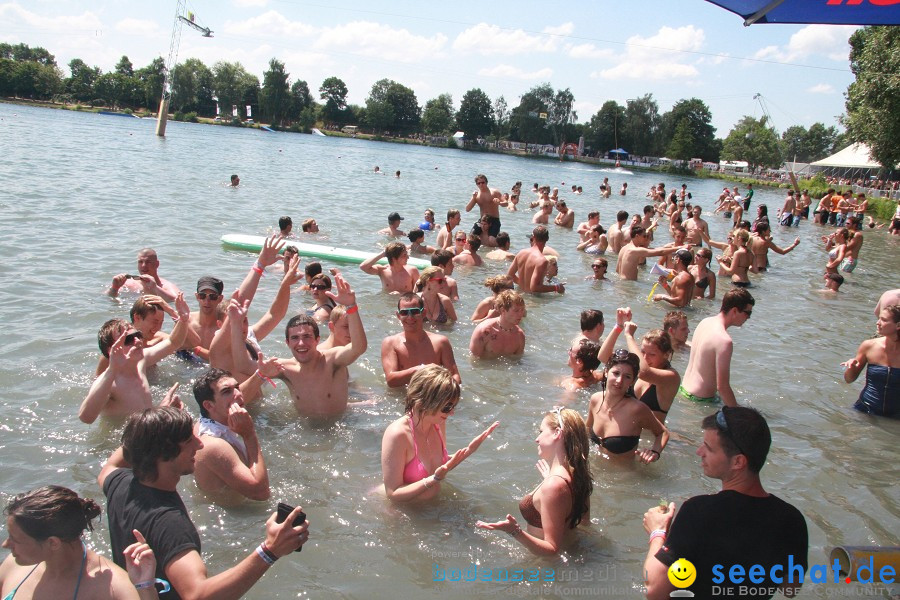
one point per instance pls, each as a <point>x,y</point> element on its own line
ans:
<point>683,392</point>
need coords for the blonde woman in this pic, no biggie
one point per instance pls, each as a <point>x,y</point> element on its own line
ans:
<point>438,307</point>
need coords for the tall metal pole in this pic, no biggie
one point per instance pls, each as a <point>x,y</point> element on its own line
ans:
<point>163,116</point>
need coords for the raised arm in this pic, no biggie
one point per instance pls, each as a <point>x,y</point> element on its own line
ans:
<point>369,266</point>
<point>176,339</point>
<point>268,255</point>
<point>623,315</point>
<point>345,355</point>
<point>280,304</point>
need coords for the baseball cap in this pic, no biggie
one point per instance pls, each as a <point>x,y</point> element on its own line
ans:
<point>210,283</point>
<point>394,217</point>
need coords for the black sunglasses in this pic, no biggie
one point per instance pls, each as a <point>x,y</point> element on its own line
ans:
<point>448,408</point>
<point>409,312</point>
<point>320,287</point>
<point>722,424</point>
<point>210,295</point>
<point>134,335</point>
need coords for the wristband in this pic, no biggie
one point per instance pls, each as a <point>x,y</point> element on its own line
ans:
<point>264,378</point>
<point>656,452</point>
<point>436,478</point>
<point>197,349</point>
<point>265,554</point>
<point>152,584</point>
<point>425,483</point>
<point>658,533</point>
<point>515,531</point>
<point>618,328</point>
<point>256,268</point>
<point>352,309</point>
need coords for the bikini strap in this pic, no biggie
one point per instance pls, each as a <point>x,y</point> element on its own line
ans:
<point>412,428</point>
<point>81,571</point>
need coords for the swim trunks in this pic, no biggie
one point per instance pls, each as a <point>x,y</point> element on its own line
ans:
<point>848,264</point>
<point>493,230</point>
<point>686,394</point>
<point>741,284</point>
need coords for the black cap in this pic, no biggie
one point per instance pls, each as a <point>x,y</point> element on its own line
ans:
<point>210,283</point>
<point>394,217</point>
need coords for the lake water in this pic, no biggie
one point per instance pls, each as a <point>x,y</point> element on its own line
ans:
<point>83,192</point>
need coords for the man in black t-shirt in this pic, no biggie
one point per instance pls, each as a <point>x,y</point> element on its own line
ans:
<point>741,525</point>
<point>140,479</point>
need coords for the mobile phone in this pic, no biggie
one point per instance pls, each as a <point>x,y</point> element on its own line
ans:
<point>284,510</point>
<point>132,277</point>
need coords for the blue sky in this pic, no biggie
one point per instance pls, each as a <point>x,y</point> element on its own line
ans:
<point>600,49</point>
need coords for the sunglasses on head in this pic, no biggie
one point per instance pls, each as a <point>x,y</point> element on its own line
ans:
<point>210,295</point>
<point>620,354</point>
<point>409,312</point>
<point>722,424</point>
<point>134,335</point>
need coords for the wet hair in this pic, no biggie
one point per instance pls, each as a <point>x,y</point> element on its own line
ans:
<point>684,256</point>
<point>621,215</point>
<point>503,239</point>
<point>441,257</point>
<point>590,318</point>
<point>474,242</point>
<point>762,227</point>
<point>290,250</point>
<point>577,448</point>
<point>283,222</point>
<point>323,278</point>
<point>53,511</point>
<point>763,210</point>
<point>620,358</point>
<point>453,212</point>
<point>594,213</point>
<point>743,235</point>
<point>660,339</point>
<point>155,435</point>
<point>541,234</point>
<point>431,388</point>
<point>747,434</point>
<point>637,230</point>
<point>407,297</point>
<point>394,250</point>
<point>673,319</point>
<point>704,253</point>
<point>499,283</point>
<point>300,321</point>
<point>141,308</point>
<point>203,387</point>
<point>307,225</point>
<point>738,298</point>
<point>648,209</point>
<point>744,225</point>
<point>679,229</point>
<point>312,269</point>
<point>109,333</point>
<point>599,229</point>
<point>587,354</point>
<point>601,261</point>
<point>894,311</point>
<point>507,299</point>
<point>415,234</point>
<point>481,176</point>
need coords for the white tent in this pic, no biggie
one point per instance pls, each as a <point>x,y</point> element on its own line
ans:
<point>856,156</point>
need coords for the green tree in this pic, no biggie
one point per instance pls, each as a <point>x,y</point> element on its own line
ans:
<point>681,146</point>
<point>334,92</point>
<point>437,118</point>
<point>124,67</point>
<point>476,116</point>
<point>275,95</point>
<point>301,99</point>
<point>639,129</point>
<point>234,86</point>
<point>561,113</point>
<point>152,78</point>
<point>501,118</point>
<point>752,140</point>
<point>873,99</point>
<point>820,141</point>
<point>699,140</point>
<point>392,106</point>
<point>24,53</point>
<point>526,121</point>
<point>82,80</point>
<point>7,72</point>
<point>601,134</point>
<point>193,88</point>
<point>793,144</point>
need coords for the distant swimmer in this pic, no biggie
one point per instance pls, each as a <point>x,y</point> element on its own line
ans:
<point>501,335</point>
<point>708,374</point>
<point>397,276</point>
<point>235,180</point>
<point>565,217</point>
<point>417,246</point>
<point>285,226</point>
<point>529,269</point>
<point>393,228</point>
<point>148,282</point>
<point>309,226</point>
<point>489,201</point>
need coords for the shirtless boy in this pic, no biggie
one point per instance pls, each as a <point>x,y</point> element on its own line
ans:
<point>694,226</point>
<point>489,202</point>
<point>393,228</point>
<point>501,252</point>
<point>636,251</point>
<point>396,277</point>
<point>708,374</point>
<point>408,351</point>
<point>501,336</point>
<point>615,234</point>
<point>445,235</point>
<point>529,269</point>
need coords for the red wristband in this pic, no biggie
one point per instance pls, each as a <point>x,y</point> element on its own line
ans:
<point>352,309</point>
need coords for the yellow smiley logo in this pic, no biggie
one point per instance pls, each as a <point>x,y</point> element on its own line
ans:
<point>682,573</point>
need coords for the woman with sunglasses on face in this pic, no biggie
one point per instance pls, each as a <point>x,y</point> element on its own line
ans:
<point>48,558</point>
<point>438,307</point>
<point>459,242</point>
<point>321,310</point>
<point>414,458</point>
<point>562,500</point>
<point>616,417</point>
<point>704,279</point>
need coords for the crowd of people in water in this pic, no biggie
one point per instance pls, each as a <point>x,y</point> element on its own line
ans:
<point>156,548</point>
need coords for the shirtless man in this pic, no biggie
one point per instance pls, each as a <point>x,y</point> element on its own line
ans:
<point>445,235</point>
<point>339,328</point>
<point>416,245</point>
<point>489,202</point>
<point>408,351</point>
<point>636,251</point>
<point>147,282</point>
<point>444,260</point>
<point>529,269</point>
<point>694,226</point>
<point>760,243</point>
<point>542,217</point>
<point>585,227</point>
<point>854,245</point>
<point>501,252</point>
<point>501,336</point>
<point>393,228</point>
<point>681,290</point>
<point>565,217</point>
<point>469,256</point>
<point>708,374</point>
<point>397,277</point>
<point>230,465</point>
<point>285,226</point>
<point>675,324</point>
<point>317,379</point>
<point>123,388</point>
<point>786,214</point>
<point>615,234</point>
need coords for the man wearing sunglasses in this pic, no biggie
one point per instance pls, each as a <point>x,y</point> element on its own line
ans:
<point>741,525</point>
<point>489,201</point>
<point>147,281</point>
<point>408,351</point>
<point>708,374</point>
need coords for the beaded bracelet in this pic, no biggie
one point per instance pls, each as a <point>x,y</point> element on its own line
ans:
<point>658,533</point>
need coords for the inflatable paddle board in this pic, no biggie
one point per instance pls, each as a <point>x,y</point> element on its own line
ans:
<point>254,243</point>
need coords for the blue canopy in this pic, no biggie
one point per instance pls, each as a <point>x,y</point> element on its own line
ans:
<point>830,12</point>
<point>618,151</point>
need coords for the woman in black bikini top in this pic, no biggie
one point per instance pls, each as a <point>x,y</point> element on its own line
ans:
<point>616,418</point>
<point>704,279</point>
<point>657,381</point>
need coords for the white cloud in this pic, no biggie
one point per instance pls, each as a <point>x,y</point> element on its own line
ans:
<point>268,25</point>
<point>12,15</point>
<point>821,88</point>
<point>489,40</point>
<point>515,72</point>
<point>830,41</point>
<point>658,57</point>
<point>381,41</point>
<point>249,3</point>
<point>132,26</point>
<point>564,29</point>
<point>589,51</point>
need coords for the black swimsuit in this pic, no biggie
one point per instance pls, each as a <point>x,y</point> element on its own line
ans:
<point>651,400</point>
<point>702,283</point>
<point>617,444</point>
